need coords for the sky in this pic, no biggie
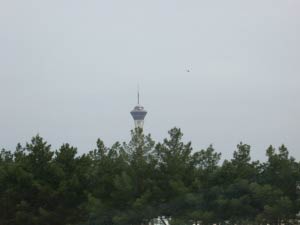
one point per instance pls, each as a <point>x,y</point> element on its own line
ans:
<point>69,71</point>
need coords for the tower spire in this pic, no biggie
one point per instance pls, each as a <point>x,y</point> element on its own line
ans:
<point>138,94</point>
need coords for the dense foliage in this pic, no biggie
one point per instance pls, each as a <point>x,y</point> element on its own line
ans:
<point>133,183</point>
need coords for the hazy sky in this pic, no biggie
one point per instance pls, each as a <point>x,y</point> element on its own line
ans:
<point>69,71</point>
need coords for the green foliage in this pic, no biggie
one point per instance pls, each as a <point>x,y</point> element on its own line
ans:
<point>139,182</point>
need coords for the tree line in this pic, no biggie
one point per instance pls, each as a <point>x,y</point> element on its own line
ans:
<point>136,182</point>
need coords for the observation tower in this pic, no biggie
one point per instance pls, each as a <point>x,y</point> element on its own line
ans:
<point>138,113</point>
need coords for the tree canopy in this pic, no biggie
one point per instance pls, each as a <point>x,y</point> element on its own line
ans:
<point>140,182</point>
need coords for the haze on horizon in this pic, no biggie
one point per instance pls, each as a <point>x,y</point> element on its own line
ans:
<point>69,71</point>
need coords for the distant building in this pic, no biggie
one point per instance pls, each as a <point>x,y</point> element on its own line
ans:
<point>138,113</point>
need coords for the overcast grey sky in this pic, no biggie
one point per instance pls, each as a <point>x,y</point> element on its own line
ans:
<point>69,71</point>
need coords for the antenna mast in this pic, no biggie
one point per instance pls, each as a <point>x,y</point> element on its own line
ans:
<point>138,95</point>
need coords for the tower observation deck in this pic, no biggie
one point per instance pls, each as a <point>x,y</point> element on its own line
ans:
<point>138,113</point>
